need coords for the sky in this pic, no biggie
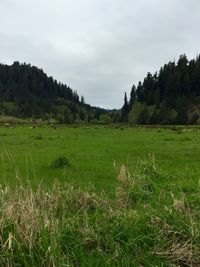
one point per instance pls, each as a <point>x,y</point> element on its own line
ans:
<point>100,48</point>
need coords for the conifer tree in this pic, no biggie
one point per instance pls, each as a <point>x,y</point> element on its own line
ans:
<point>125,109</point>
<point>132,96</point>
<point>174,92</point>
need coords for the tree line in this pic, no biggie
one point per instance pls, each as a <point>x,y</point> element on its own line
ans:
<point>26,91</point>
<point>170,96</point>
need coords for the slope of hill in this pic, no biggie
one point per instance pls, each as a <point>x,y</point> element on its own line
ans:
<point>26,91</point>
<point>171,96</point>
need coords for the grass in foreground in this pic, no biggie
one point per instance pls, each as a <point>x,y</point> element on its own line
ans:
<point>151,221</point>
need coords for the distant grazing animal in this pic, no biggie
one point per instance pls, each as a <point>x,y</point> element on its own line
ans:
<point>7,125</point>
<point>52,126</point>
<point>33,127</point>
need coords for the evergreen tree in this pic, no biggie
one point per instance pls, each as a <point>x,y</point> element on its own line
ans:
<point>155,118</point>
<point>182,117</point>
<point>194,118</point>
<point>125,109</point>
<point>26,91</point>
<point>149,89</point>
<point>174,90</point>
<point>82,100</point>
<point>143,117</point>
<point>140,92</point>
<point>132,96</point>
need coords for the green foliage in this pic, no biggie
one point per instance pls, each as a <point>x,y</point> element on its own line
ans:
<point>60,162</point>
<point>143,117</point>
<point>194,118</point>
<point>174,91</point>
<point>105,119</point>
<point>27,92</point>
<point>125,109</point>
<point>140,184</point>
<point>135,112</point>
<point>182,117</point>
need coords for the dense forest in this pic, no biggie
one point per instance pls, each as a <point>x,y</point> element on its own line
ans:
<point>170,96</point>
<point>27,92</point>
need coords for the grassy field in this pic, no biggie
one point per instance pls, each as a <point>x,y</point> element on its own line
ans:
<point>93,153</point>
<point>140,209</point>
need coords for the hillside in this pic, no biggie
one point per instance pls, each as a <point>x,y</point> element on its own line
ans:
<point>27,92</point>
<point>170,96</point>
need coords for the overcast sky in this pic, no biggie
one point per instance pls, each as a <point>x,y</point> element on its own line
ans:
<point>99,47</point>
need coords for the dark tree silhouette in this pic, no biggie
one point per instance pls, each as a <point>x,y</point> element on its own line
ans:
<point>26,91</point>
<point>125,109</point>
<point>173,93</point>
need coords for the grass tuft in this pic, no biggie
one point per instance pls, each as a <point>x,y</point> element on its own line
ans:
<point>38,136</point>
<point>60,162</point>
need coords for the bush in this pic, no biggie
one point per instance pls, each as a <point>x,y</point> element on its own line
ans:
<point>60,162</point>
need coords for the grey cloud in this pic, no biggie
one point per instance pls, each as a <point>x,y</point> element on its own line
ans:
<point>98,47</point>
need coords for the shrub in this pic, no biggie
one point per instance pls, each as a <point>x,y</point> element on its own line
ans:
<point>60,162</point>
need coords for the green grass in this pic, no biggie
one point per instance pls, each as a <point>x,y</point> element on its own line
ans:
<point>150,221</point>
<point>61,204</point>
<point>94,153</point>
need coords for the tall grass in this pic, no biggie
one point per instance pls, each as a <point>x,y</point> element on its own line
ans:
<point>70,226</point>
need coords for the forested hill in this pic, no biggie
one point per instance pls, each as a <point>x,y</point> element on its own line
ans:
<point>27,92</point>
<point>170,96</point>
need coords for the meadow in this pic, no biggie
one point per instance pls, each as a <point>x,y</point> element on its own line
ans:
<point>93,153</point>
<point>100,196</point>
